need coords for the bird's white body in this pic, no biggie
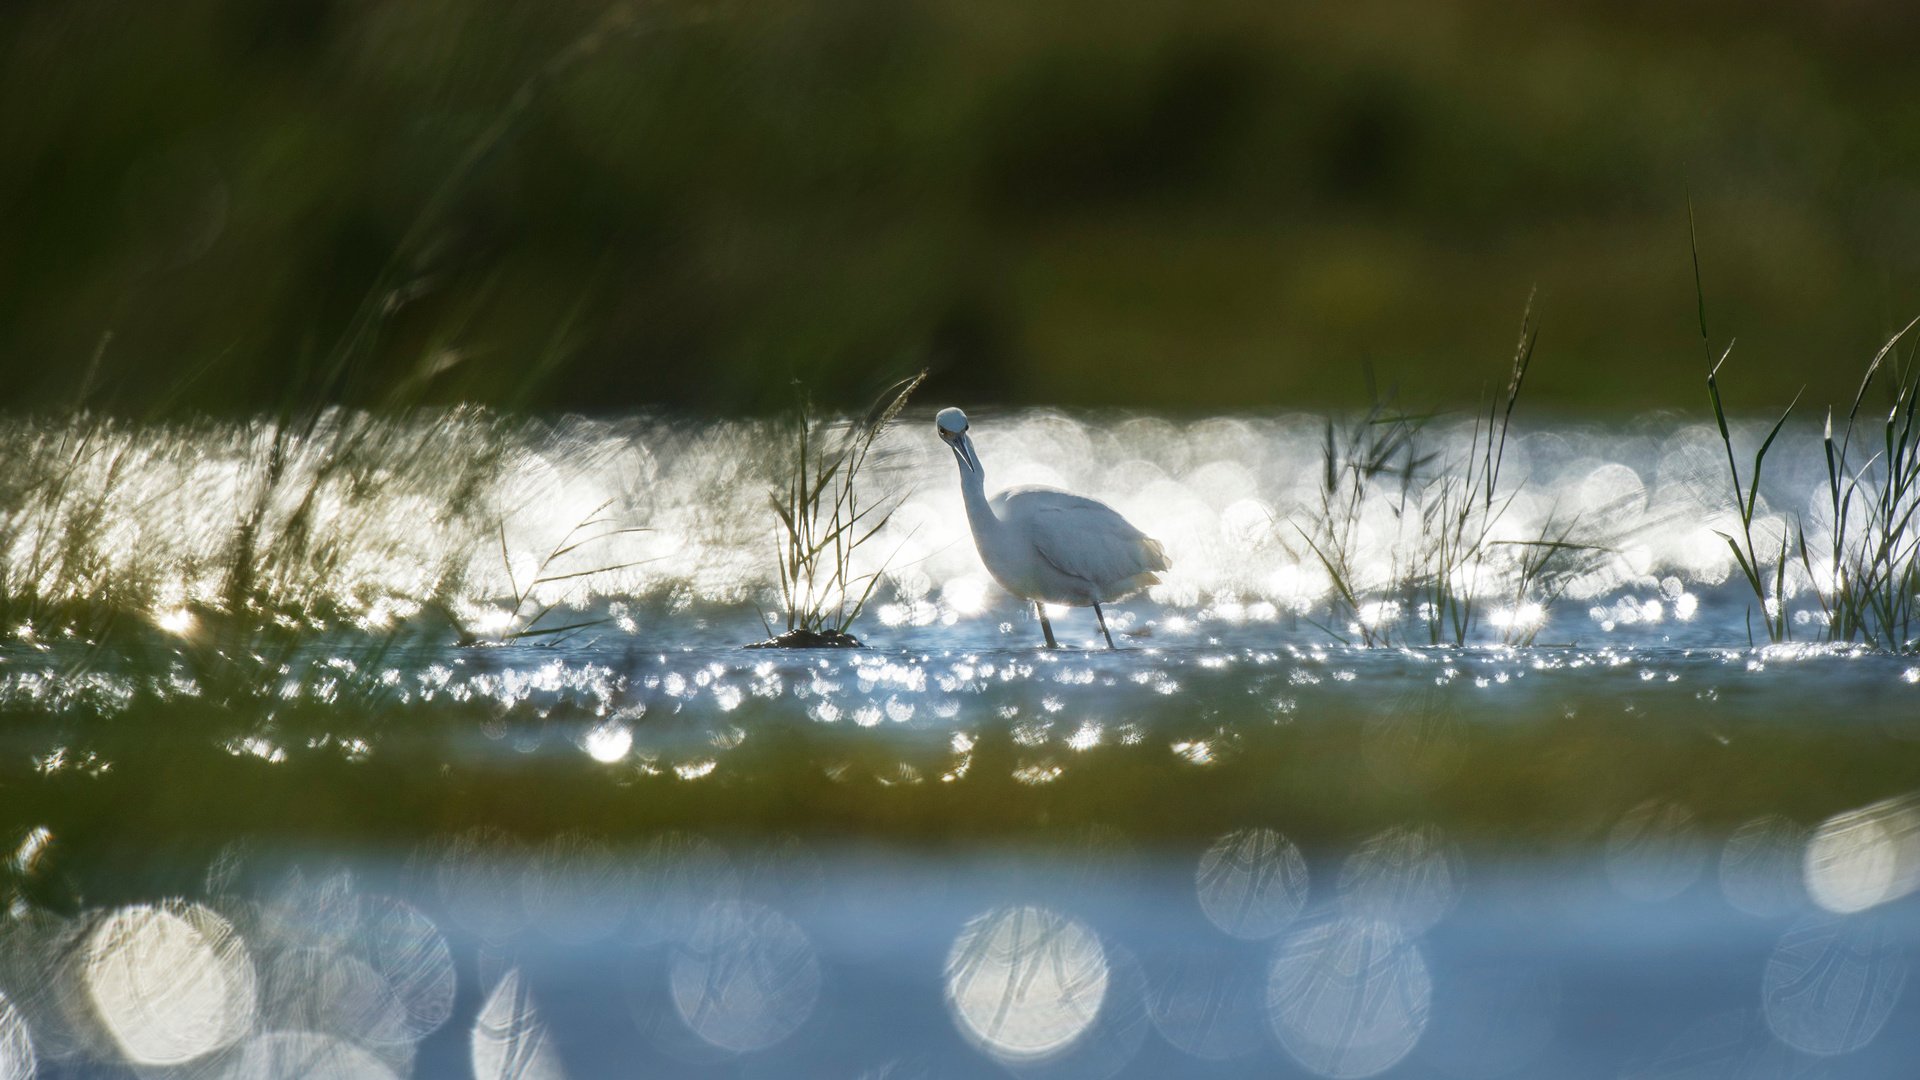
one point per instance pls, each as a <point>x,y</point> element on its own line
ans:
<point>1051,546</point>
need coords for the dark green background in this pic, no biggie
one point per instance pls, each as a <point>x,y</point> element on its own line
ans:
<point>1191,204</point>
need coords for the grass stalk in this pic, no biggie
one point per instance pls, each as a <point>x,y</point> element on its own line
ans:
<point>1454,507</point>
<point>1379,454</point>
<point>1768,584</point>
<point>535,601</point>
<point>1871,583</point>
<point>824,516</point>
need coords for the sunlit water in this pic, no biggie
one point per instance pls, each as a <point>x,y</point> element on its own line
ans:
<point>581,515</point>
<point>346,845</point>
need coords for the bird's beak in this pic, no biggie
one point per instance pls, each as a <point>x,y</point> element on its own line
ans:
<point>962,448</point>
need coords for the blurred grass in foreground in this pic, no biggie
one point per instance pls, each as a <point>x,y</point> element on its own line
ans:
<point>195,743</point>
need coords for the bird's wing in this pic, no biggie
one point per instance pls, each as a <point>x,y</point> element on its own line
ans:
<point>1084,539</point>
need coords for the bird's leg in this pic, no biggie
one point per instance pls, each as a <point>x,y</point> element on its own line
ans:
<point>1045,626</point>
<point>1098,614</point>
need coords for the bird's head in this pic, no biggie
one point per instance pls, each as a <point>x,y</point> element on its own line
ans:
<point>951,423</point>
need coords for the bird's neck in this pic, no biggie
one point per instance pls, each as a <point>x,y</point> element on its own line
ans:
<point>973,488</point>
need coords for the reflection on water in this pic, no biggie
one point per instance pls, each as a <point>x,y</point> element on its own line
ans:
<point>962,718</point>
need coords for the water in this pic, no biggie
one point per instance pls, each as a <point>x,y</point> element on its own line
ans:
<point>340,843</point>
<point>675,513</point>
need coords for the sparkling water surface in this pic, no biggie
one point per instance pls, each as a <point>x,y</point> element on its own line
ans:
<point>348,844</point>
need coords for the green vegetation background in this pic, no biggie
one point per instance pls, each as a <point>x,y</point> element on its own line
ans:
<point>1186,204</point>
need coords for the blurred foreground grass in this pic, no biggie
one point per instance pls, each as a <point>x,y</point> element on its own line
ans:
<point>1560,784</point>
<point>181,761</point>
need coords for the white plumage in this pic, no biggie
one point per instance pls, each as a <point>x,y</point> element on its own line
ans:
<point>1051,546</point>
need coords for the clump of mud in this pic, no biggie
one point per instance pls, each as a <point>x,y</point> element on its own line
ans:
<point>810,639</point>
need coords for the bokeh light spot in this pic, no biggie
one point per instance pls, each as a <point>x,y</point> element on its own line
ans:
<point>169,984</point>
<point>746,979</point>
<point>16,1044</point>
<point>1251,883</point>
<point>1025,982</point>
<point>1348,997</point>
<point>1760,867</point>
<point>410,953</point>
<point>1408,875</point>
<point>1654,851</point>
<point>510,1041</point>
<point>283,1055</point>
<point>1832,982</point>
<point>1865,857</point>
<point>608,742</point>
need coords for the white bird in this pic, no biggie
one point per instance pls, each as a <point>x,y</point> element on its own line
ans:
<point>1050,546</point>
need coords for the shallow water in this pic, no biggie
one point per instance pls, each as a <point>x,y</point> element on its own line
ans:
<point>670,518</point>
<point>343,845</point>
